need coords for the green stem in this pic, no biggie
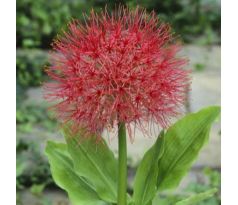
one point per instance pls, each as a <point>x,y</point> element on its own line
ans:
<point>122,165</point>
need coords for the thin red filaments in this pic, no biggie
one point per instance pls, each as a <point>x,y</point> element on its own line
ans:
<point>118,68</point>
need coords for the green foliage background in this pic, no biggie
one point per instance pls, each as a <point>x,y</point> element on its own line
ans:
<point>39,21</point>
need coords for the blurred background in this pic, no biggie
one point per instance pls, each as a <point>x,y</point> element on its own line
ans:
<point>38,21</point>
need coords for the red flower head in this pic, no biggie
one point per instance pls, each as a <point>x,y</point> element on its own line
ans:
<point>118,68</point>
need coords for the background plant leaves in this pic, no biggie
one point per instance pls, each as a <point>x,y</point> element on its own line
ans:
<point>197,198</point>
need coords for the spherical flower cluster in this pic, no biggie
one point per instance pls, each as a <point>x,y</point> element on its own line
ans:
<point>116,68</point>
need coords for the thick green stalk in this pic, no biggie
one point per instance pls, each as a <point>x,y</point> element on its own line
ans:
<point>122,165</point>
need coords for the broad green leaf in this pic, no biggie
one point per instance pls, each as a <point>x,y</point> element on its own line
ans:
<point>94,161</point>
<point>62,169</point>
<point>197,198</point>
<point>147,172</point>
<point>183,141</point>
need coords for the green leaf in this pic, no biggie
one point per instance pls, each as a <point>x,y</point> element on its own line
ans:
<point>197,198</point>
<point>20,167</point>
<point>183,141</point>
<point>37,189</point>
<point>62,169</point>
<point>94,161</point>
<point>147,172</point>
<point>28,42</point>
<point>165,200</point>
